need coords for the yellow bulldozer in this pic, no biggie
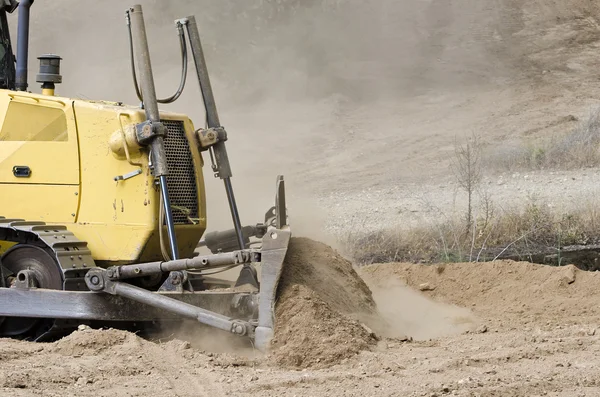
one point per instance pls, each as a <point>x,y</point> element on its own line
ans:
<point>104,205</point>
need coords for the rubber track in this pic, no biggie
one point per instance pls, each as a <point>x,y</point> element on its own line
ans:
<point>68,250</point>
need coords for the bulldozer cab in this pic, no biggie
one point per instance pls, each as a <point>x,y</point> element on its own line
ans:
<point>7,58</point>
<point>39,156</point>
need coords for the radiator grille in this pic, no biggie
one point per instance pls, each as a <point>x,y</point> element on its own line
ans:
<point>181,180</point>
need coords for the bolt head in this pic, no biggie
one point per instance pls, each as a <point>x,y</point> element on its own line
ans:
<point>95,280</point>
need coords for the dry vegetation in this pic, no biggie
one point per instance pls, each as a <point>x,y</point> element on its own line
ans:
<point>494,232</point>
<point>579,148</point>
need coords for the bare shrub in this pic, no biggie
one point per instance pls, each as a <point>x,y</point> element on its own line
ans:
<point>491,230</point>
<point>391,245</point>
<point>466,166</point>
<point>516,157</point>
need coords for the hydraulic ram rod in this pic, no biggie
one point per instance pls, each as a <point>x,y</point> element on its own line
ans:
<point>199,262</point>
<point>212,119</point>
<point>157,149</point>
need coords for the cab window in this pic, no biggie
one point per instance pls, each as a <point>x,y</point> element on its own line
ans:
<point>28,122</point>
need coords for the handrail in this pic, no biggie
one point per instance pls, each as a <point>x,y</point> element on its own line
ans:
<point>37,99</point>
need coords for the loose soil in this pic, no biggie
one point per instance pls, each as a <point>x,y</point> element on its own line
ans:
<point>513,294</point>
<point>320,299</point>
<point>535,333</point>
<point>517,294</point>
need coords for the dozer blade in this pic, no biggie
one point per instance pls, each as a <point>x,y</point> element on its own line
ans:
<point>273,251</point>
<point>272,259</point>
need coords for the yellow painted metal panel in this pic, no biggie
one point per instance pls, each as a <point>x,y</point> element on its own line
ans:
<point>113,242</point>
<point>39,133</point>
<point>187,241</point>
<point>118,219</point>
<point>104,200</point>
<point>5,245</point>
<point>131,243</point>
<point>47,203</point>
<point>33,122</point>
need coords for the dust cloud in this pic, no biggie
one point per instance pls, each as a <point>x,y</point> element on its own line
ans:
<point>330,93</point>
<point>206,338</point>
<point>281,71</point>
<point>404,312</point>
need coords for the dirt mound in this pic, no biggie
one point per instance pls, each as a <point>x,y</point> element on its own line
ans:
<point>323,270</point>
<point>309,333</point>
<point>108,362</point>
<point>93,341</point>
<point>513,293</point>
<point>321,298</point>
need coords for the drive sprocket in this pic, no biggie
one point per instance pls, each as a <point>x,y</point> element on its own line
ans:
<point>44,272</point>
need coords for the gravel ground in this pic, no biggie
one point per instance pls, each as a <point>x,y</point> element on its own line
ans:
<point>410,204</point>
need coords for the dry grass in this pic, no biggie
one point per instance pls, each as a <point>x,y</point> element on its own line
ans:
<point>580,148</point>
<point>494,232</point>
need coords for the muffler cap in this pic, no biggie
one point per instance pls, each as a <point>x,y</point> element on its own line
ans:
<point>49,69</point>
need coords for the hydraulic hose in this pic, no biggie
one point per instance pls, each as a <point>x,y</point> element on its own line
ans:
<point>184,62</point>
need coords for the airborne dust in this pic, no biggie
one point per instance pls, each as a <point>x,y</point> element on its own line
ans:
<point>309,89</point>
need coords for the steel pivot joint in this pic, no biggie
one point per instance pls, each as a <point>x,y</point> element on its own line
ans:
<point>152,133</point>
<point>208,137</point>
<point>146,131</point>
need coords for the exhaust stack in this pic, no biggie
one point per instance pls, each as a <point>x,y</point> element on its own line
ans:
<point>49,74</point>
<point>22,45</point>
